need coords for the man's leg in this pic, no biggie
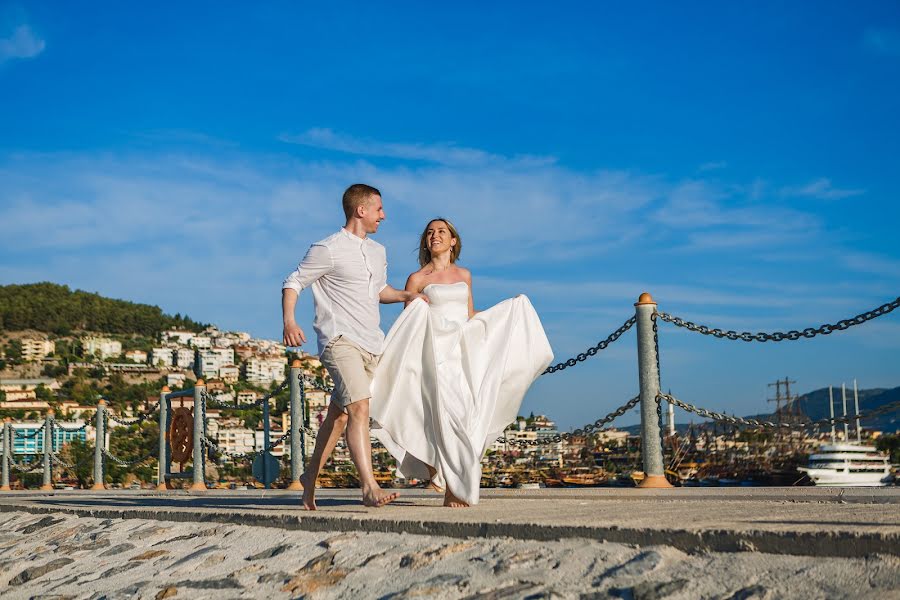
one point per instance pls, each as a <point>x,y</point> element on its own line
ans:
<point>360,446</point>
<point>329,433</point>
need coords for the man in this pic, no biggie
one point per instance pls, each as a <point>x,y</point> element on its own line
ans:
<point>347,272</point>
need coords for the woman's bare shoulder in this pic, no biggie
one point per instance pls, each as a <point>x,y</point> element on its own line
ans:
<point>415,279</point>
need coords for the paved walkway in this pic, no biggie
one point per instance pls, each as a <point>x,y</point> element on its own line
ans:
<point>803,521</point>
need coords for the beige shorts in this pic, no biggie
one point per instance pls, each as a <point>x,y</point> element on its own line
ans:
<point>352,370</point>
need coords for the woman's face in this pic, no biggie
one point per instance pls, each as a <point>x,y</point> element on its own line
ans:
<point>438,238</point>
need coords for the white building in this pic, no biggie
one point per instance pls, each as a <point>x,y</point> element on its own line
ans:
<point>210,361</point>
<point>178,336</point>
<point>274,434</point>
<point>34,349</point>
<point>236,440</point>
<point>201,342</point>
<point>161,357</point>
<point>102,347</point>
<point>229,373</point>
<point>184,358</point>
<point>265,369</point>
<point>175,379</point>
<point>138,356</point>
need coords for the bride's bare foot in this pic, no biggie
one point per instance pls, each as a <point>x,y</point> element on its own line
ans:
<point>378,498</point>
<point>452,501</point>
<point>432,472</point>
<point>309,492</point>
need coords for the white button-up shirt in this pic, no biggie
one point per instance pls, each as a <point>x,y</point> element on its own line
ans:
<point>346,273</point>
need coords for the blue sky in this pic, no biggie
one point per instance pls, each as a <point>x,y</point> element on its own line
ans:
<point>741,165</point>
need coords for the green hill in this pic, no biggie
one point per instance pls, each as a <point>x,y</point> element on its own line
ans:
<point>56,309</point>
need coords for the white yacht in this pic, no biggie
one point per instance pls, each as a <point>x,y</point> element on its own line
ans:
<point>848,465</point>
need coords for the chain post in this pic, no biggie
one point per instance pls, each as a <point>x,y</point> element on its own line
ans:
<point>162,466</point>
<point>265,446</point>
<point>99,444</point>
<point>7,454</point>
<point>648,374</point>
<point>47,484</point>
<point>296,430</point>
<point>199,483</point>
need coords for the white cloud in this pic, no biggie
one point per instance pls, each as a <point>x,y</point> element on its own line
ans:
<point>22,43</point>
<point>823,189</point>
<point>444,154</point>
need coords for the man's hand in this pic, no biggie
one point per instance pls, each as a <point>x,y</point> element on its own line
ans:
<point>293,335</point>
<point>389,295</point>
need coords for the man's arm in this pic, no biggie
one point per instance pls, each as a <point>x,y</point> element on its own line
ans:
<point>389,295</point>
<point>316,263</point>
<point>293,335</point>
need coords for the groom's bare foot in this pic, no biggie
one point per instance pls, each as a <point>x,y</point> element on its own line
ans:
<point>452,501</point>
<point>378,498</point>
<point>309,492</point>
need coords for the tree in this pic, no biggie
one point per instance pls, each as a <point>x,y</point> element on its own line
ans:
<point>80,454</point>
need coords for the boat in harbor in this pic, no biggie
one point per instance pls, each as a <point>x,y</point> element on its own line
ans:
<point>848,465</point>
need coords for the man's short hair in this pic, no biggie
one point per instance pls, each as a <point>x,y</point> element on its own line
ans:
<point>358,194</point>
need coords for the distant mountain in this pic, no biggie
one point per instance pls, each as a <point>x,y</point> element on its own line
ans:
<point>56,309</point>
<point>814,405</point>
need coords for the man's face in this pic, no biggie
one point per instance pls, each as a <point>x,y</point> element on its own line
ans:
<point>372,214</point>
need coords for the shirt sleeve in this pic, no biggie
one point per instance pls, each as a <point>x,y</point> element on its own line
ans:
<point>316,263</point>
<point>382,283</point>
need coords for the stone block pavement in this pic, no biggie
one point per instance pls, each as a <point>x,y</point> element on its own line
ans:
<point>802,521</point>
<point>722,544</point>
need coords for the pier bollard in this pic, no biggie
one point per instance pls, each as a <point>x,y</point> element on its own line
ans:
<point>265,449</point>
<point>7,454</point>
<point>296,429</point>
<point>99,443</point>
<point>163,432</point>
<point>648,372</point>
<point>199,483</point>
<point>47,484</point>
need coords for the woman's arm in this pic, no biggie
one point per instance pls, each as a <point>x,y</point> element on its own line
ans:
<point>468,278</point>
<point>412,286</point>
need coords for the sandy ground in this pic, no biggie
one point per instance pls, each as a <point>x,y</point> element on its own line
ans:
<point>67,556</point>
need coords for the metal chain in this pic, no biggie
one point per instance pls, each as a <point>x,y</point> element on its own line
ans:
<point>722,417</point>
<point>315,384</point>
<point>34,466</point>
<point>26,436</point>
<point>126,463</point>
<point>778,336</point>
<point>659,417</point>
<point>130,421</point>
<point>60,427</point>
<point>586,430</point>
<point>592,350</point>
<point>55,458</point>
<point>256,404</point>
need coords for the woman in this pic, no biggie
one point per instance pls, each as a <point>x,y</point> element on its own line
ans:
<point>451,379</point>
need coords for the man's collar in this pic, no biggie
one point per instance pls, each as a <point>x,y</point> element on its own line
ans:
<point>354,237</point>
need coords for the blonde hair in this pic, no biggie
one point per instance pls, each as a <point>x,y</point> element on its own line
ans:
<point>358,194</point>
<point>425,253</point>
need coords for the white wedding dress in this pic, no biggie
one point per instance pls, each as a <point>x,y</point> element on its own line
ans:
<point>447,386</point>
